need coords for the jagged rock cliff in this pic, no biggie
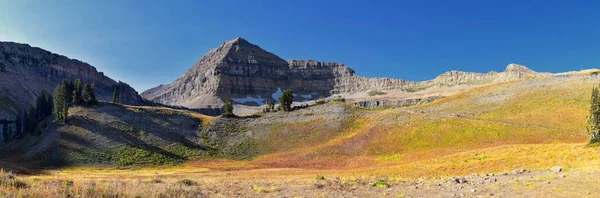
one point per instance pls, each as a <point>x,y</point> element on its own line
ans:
<point>250,75</point>
<point>26,70</point>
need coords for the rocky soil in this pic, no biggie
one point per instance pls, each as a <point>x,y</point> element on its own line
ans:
<point>517,183</point>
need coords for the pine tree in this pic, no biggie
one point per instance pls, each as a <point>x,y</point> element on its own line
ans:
<point>31,120</point>
<point>10,133</point>
<point>88,95</point>
<point>116,95</point>
<point>19,126</point>
<point>270,104</point>
<point>77,93</point>
<point>286,100</point>
<point>60,103</point>
<point>5,134</point>
<point>49,104</point>
<point>228,110</point>
<point>69,87</point>
<point>39,106</point>
<point>25,123</point>
<point>593,122</point>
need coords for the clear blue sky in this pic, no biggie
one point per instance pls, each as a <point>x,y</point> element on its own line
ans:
<point>146,43</point>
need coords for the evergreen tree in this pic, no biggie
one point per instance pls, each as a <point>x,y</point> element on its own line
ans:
<point>593,122</point>
<point>19,126</point>
<point>39,106</point>
<point>88,95</point>
<point>25,123</point>
<point>69,87</point>
<point>116,95</point>
<point>10,132</point>
<point>5,132</point>
<point>49,104</point>
<point>77,93</point>
<point>270,104</point>
<point>228,110</point>
<point>285,101</point>
<point>60,103</point>
<point>31,120</point>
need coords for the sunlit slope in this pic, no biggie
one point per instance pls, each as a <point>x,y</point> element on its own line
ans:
<point>549,111</point>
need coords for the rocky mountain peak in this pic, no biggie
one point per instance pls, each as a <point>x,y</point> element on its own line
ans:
<point>515,71</point>
<point>513,67</point>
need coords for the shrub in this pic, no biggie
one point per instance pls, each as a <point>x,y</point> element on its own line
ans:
<point>260,189</point>
<point>339,99</point>
<point>376,93</point>
<point>380,183</point>
<point>286,100</point>
<point>8,179</point>
<point>320,177</point>
<point>228,109</point>
<point>321,100</point>
<point>155,181</point>
<point>186,182</point>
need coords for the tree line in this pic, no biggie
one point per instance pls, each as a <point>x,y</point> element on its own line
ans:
<point>66,94</point>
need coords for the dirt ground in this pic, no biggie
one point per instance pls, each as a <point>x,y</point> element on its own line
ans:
<point>303,183</point>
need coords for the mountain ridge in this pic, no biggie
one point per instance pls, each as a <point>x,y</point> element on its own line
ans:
<point>27,70</point>
<point>250,75</point>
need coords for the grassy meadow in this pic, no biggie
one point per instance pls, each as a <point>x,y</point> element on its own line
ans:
<point>529,124</point>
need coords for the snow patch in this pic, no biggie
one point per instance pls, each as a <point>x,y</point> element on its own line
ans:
<point>277,94</point>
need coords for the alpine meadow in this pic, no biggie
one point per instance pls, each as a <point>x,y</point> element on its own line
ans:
<point>242,121</point>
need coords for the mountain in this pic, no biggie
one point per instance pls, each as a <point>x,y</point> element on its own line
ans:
<point>27,70</point>
<point>250,75</point>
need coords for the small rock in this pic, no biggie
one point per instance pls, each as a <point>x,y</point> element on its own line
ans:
<point>563,176</point>
<point>556,169</point>
<point>473,190</point>
<point>460,180</point>
<point>517,171</point>
<point>492,194</point>
<point>504,173</point>
<point>474,175</point>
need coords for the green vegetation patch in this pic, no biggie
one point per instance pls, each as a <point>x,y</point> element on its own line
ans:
<point>376,93</point>
<point>128,156</point>
<point>244,150</point>
<point>414,89</point>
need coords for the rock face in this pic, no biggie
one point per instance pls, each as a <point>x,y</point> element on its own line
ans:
<point>402,102</point>
<point>26,70</point>
<point>250,75</point>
